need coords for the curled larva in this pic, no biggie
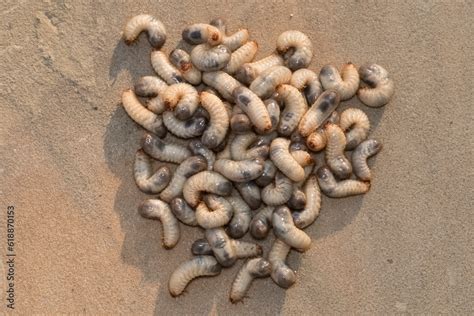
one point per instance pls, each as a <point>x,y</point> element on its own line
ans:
<point>261,222</point>
<point>218,122</point>
<point>335,158</point>
<point>240,221</point>
<point>224,83</point>
<point>273,109</point>
<point>182,60</point>
<point>207,181</point>
<point>239,121</point>
<point>318,112</point>
<point>186,169</point>
<point>253,268</point>
<point>241,170</point>
<point>380,89</point>
<point>182,98</point>
<point>250,192</point>
<point>265,84</point>
<point>281,274</point>
<point>254,107</point>
<point>198,148</point>
<point>183,212</point>
<point>200,33</point>
<point>295,108</point>
<point>297,200</point>
<point>242,55</point>
<point>146,180</point>
<point>159,210</point>
<point>141,115</point>
<point>187,271</point>
<point>156,105</point>
<point>284,161</point>
<point>210,58</point>
<point>249,71</point>
<point>356,125</point>
<point>144,22</point>
<point>162,151</point>
<point>268,174</point>
<point>241,149</point>
<point>317,140</point>
<point>307,82</point>
<point>192,127</point>
<point>313,204</point>
<point>332,188</point>
<point>266,139</point>
<point>345,84</point>
<point>222,246</point>
<point>163,67</point>
<point>296,48</point>
<point>279,192</point>
<point>213,212</point>
<point>149,86</point>
<point>285,229</point>
<point>302,157</point>
<point>360,154</point>
<point>236,40</point>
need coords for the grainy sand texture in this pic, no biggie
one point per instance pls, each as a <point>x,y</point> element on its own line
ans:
<point>67,151</point>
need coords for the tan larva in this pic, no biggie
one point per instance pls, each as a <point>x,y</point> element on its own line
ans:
<point>239,171</point>
<point>308,83</point>
<point>335,158</point>
<point>163,67</point>
<point>210,58</point>
<point>182,60</point>
<point>149,86</point>
<point>241,56</point>
<point>250,192</point>
<point>198,148</point>
<point>186,169</point>
<point>241,147</point>
<point>279,192</point>
<point>254,107</point>
<point>187,271</point>
<point>205,181</point>
<point>222,82</point>
<point>219,120</point>
<point>162,151</point>
<point>249,71</point>
<point>201,33</point>
<point>285,229</point>
<point>356,125</point>
<point>213,212</point>
<point>381,87</point>
<point>193,127</point>
<point>159,210</point>
<point>144,22</point>
<point>302,157</point>
<point>261,222</point>
<point>183,212</point>
<point>313,204</point>
<point>236,40</point>
<point>317,140</point>
<point>345,84</point>
<point>281,274</point>
<point>222,246</point>
<point>360,155</point>
<point>146,180</point>
<point>268,174</point>
<point>332,188</point>
<point>240,222</point>
<point>295,108</point>
<point>296,48</point>
<point>240,122</point>
<point>265,84</point>
<point>283,160</point>
<point>318,112</point>
<point>253,268</point>
<point>182,98</point>
<point>141,115</point>
<point>243,249</point>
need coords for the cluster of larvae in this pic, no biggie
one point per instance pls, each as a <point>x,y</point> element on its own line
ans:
<point>237,139</point>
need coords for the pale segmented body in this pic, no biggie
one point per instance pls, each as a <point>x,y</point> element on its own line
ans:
<point>326,103</point>
<point>162,151</point>
<point>236,40</point>
<point>241,147</point>
<point>240,222</point>
<point>163,67</point>
<point>285,229</point>
<point>281,274</point>
<point>182,98</point>
<point>313,204</point>
<point>268,174</point>
<point>149,86</point>
<point>253,268</point>
<point>283,160</point>
<point>213,212</point>
<point>250,192</point>
<point>239,171</point>
<point>302,157</point>
<point>242,55</point>
<point>345,84</point>
<point>193,127</point>
<point>183,212</point>
<point>335,158</point>
<point>381,87</point>
<point>243,249</point>
<point>222,246</point>
<point>146,180</point>
<point>296,48</point>
<point>144,22</point>
<point>295,108</point>
<point>261,222</point>
<point>273,109</point>
<point>219,120</point>
<point>360,154</point>
<point>307,82</point>
<point>356,125</point>
<point>222,82</point>
<point>182,60</point>
<point>297,200</point>
<point>248,72</point>
<point>207,181</point>
<point>200,33</point>
<point>254,107</point>
<point>317,140</point>
<point>210,58</point>
<point>239,121</point>
<point>332,188</point>
<point>198,148</point>
<point>279,192</point>
<point>265,84</point>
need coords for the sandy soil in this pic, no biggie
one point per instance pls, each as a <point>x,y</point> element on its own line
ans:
<point>67,149</point>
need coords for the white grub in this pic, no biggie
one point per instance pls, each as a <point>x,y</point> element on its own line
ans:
<point>297,200</point>
<point>296,48</point>
<point>192,127</point>
<point>284,161</point>
<point>262,222</point>
<point>182,98</point>
<point>159,210</point>
<point>360,155</point>
<point>317,140</point>
<point>356,125</point>
<point>183,212</point>
<point>273,109</point>
<point>224,152</point>
<point>380,87</point>
<point>222,246</point>
<point>213,212</point>
<point>313,204</point>
<point>236,40</point>
<point>141,115</point>
<point>210,58</point>
<point>205,181</point>
<point>149,86</point>
<point>239,121</point>
<point>249,71</point>
<point>335,158</point>
<point>250,192</point>
<point>198,148</point>
<point>147,180</point>
<point>332,188</point>
<point>170,138</point>
<point>308,83</point>
<point>201,33</point>
<point>156,105</point>
<point>302,157</point>
<point>285,229</point>
<point>242,147</point>
<point>182,60</point>
<point>281,274</point>
<point>265,84</point>
<point>240,221</point>
<point>187,168</point>
<point>253,268</point>
<point>268,174</point>
<point>239,171</point>
<point>187,271</point>
<point>243,249</point>
<point>224,83</point>
<point>218,122</point>
<point>279,192</point>
<point>144,22</point>
<point>164,68</point>
<point>295,108</point>
<point>345,83</point>
<point>318,112</point>
<point>162,151</point>
<point>254,107</point>
<point>242,55</point>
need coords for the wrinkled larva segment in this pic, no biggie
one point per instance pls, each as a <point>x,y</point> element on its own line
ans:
<point>296,48</point>
<point>321,109</point>
<point>297,200</point>
<point>182,60</point>
<point>380,87</point>
<point>302,157</point>
<point>241,56</point>
<point>236,40</point>
<point>240,222</point>
<point>144,22</point>
<point>158,149</point>
<point>164,68</point>
<point>253,268</point>
<point>224,83</point>
<point>332,188</point>
<point>243,249</point>
<point>239,121</point>
<point>205,181</point>
<point>149,86</point>
<point>307,81</point>
<point>183,212</point>
<point>295,108</point>
<point>313,204</point>
<point>249,71</point>
<point>146,180</point>
<point>360,155</point>
<point>182,98</point>
<point>335,158</point>
<point>250,192</point>
<point>317,140</point>
<point>277,193</point>
<point>356,125</point>
<point>262,222</point>
<point>222,246</point>
<point>265,84</point>
<point>254,107</point>
<point>218,122</point>
<point>284,161</point>
<point>239,171</point>
<point>213,212</point>
<point>345,83</point>
<point>285,229</point>
<point>210,58</point>
<point>268,174</point>
<point>241,147</point>
<point>198,148</point>
<point>201,33</point>
<point>193,127</point>
<point>273,109</point>
<point>281,274</point>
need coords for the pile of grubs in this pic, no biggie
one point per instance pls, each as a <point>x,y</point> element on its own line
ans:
<point>241,137</point>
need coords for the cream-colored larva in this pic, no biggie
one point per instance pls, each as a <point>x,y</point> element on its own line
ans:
<point>345,84</point>
<point>335,158</point>
<point>198,148</point>
<point>317,140</point>
<point>240,221</point>
<point>266,139</point>
<point>273,109</point>
<point>186,169</point>
<point>241,147</point>
<point>182,98</point>
<point>236,40</point>
<point>182,60</point>
<point>222,82</point>
<point>307,81</point>
<point>218,122</point>
<point>210,58</point>
<point>222,246</point>
<point>254,107</point>
<point>250,192</point>
<point>146,180</point>
<point>318,112</point>
<point>200,33</point>
<point>283,160</point>
<point>356,125</point>
<point>332,188</point>
<point>240,122</point>
<point>242,55</point>
<point>360,154</point>
<point>249,71</point>
<point>183,212</point>
<point>213,212</point>
<point>279,192</point>
<point>241,170</point>
<point>295,108</point>
<point>224,152</point>
<point>162,151</point>
<point>302,157</point>
<point>261,222</point>
<point>243,249</point>
<point>265,84</point>
<point>281,274</point>
<point>192,127</point>
<point>170,138</point>
<point>253,268</point>
<point>187,271</point>
<point>164,68</point>
<point>149,86</point>
<point>205,181</point>
<point>296,48</point>
<point>156,105</point>
<point>297,199</point>
<point>159,210</point>
<point>285,229</point>
<point>268,174</point>
<point>381,87</point>
<point>313,204</point>
<point>144,22</point>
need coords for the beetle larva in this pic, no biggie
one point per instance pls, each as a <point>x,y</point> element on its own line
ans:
<point>224,152</point>
<point>356,125</point>
<point>313,204</point>
<point>222,82</point>
<point>335,158</point>
<point>281,274</point>
<point>159,210</point>
<point>345,84</point>
<point>330,187</point>
<point>213,212</point>
<point>297,199</point>
<point>146,180</point>
<point>268,174</point>
<point>201,33</point>
<point>317,140</point>
<point>219,120</point>
<point>207,181</point>
<point>170,138</point>
<point>254,107</point>
<point>296,48</point>
<point>283,160</point>
<point>273,109</point>
<point>239,171</point>
<point>279,192</point>
<point>183,212</point>
<point>240,221</point>
<point>162,151</point>
<point>144,22</point>
<point>156,105</point>
<point>241,56</point>
<point>363,151</point>
<point>253,268</point>
<point>307,81</point>
<point>250,192</point>
<point>243,249</point>
<point>249,71</point>
<point>241,149</point>
<point>198,148</point>
<point>163,67</point>
<point>381,87</point>
<point>187,271</point>
<point>261,222</point>
<point>194,126</point>
<point>222,246</point>
<point>295,108</point>
<point>240,122</point>
<point>182,98</point>
<point>149,86</point>
<point>182,60</point>
<point>236,40</point>
<point>265,84</point>
<point>302,157</point>
<point>285,229</point>
<point>210,58</point>
<point>318,112</point>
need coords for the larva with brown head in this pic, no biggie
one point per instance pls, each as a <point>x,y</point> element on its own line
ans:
<point>210,58</point>
<point>339,189</point>
<point>253,268</point>
<point>356,125</point>
<point>296,48</point>
<point>146,180</point>
<point>345,83</point>
<point>182,98</point>
<point>201,33</point>
<point>182,60</point>
<point>380,86</point>
<point>144,22</point>
<point>164,68</point>
<point>360,155</point>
